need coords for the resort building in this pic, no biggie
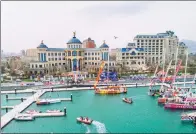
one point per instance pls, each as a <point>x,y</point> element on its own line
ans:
<point>76,57</point>
<point>158,48</point>
<point>84,56</point>
<point>131,57</point>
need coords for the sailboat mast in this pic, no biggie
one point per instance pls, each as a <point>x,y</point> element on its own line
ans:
<point>108,64</point>
<point>176,62</point>
<point>186,66</point>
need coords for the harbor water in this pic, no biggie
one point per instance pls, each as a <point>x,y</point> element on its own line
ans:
<point>109,112</point>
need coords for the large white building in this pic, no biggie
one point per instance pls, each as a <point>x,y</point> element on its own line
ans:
<point>73,58</point>
<point>131,57</point>
<point>158,48</point>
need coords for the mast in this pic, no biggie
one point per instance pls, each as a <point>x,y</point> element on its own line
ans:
<point>167,71</point>
<point>176,62</point>
<point>163,65</point>
<point>108,65</point>
<point>186,66</point>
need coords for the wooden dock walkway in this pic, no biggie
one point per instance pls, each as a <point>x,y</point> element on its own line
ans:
<point>5,119</point>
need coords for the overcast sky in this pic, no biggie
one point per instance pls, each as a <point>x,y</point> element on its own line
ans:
<point>25,24</point>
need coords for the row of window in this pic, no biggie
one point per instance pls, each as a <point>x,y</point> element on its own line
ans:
<point>74,46</point>
<point>92,58</point>
<point>132,57</point>
<point>149,40</point>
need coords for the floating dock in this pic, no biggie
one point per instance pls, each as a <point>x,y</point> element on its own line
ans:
<point>44,114</point>
<point>17,98</point>
<point>7,107</point>
<point>5,119</point>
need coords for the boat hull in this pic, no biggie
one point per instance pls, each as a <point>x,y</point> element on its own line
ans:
<point>127,101</point>
<point>84,121</point>
<point>105,91</point>
<point>179,106</point>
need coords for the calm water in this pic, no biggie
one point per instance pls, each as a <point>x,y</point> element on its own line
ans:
<point>11,102</point>
<point>110,112</point>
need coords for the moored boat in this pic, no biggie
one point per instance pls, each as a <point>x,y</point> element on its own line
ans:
<point>32,112</point>
<point>180,106</point>
<point>24,118</point>
<point>42,102</point>
<point>53,111</point>
<point>84,120</point>
<point>54,100</point>
<point>110,90</point>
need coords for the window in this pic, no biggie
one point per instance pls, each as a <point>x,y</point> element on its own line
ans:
<point>55,54</point>
<point>59,54</point>
<point>63,54</point>
<point>48,54</point>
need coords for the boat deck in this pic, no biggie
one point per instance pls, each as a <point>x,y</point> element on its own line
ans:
<point>5,119</point>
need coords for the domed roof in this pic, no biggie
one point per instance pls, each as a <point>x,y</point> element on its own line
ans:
<point>42,45</point>
<point>104,45</point>
<point>74,40</point>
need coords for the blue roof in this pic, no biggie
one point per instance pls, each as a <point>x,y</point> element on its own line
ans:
<point>74,40</point>
<point>42,45</point>
<point>182,44</point>
<point>56,49</point>
<point>104,46</point>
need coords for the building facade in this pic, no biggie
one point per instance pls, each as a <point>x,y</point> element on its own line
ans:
<point>131,57</point>
<point>86,57</point>
<point>73,58</point>
<point>158,48</point>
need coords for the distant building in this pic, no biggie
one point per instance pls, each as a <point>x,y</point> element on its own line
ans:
<point>88,43</point>
<point>23,53</point>
<point>182,48</point>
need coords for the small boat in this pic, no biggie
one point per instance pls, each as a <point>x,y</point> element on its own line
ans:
<point>84,120</point>
<point>127,100</point>
<point>24,118</point>
<point>42,102</point>
<point>32,112</point>
<point>53,111</point>
<point>54,100</point>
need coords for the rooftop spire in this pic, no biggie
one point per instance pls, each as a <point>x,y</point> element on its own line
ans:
<point>104,41</point>
<point>74,34</point>
<point>42,42</point>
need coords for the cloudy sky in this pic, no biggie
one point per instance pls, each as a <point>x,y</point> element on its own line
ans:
<point>25,24</point>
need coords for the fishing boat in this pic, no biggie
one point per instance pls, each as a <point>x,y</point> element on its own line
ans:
<point>24,118</point>
<point>84,120</point>
<point>127,100</point>
<point>32,112</point>
<point>53,111</point>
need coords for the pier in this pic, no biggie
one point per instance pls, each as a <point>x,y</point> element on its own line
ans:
<point>17,98</point>
<point>5,119</point>
<point>7,107</point>
<point>44,114</point>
